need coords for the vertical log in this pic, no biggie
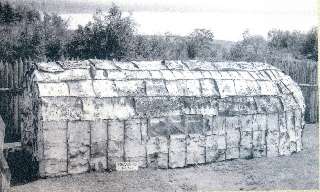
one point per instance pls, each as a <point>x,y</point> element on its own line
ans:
<point>313,104</point>
<point>5,100</point>
<point>15,99</point>
<point>19,97</point>
<point>6,75</point>
<point>1,74</point>
<point>2,84</point>
<point>10,102</point>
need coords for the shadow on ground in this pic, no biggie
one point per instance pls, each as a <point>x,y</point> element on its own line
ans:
<point>299,171</point>
<point>22,167</point>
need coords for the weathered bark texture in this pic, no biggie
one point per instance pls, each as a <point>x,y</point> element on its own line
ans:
<point>88,115</point>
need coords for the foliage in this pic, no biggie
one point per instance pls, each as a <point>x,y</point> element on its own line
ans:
<point>27,33</point>
<point>199,43</point>
<point>160,47</point>
<point>310,45</point>
<point>281,44</point>
<point>108,36</point>
<point>251,48</point>
<point>296,44</point>
<point>54,31</point>
<point>287,42</point>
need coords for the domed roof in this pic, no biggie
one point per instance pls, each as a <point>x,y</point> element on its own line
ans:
<point>104,78</point>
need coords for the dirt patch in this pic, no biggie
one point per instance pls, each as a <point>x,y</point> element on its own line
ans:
<point>299,171</point>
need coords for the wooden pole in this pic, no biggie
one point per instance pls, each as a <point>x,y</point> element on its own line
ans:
<point>15,98</point>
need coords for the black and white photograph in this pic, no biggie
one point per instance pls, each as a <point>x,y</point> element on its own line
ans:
<point>159,96</point>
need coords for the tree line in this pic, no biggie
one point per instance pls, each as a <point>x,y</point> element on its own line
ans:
<point>30,34</point>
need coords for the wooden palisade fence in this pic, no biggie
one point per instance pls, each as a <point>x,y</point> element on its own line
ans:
<point>12,80</point>
<point>305,73</point>
<point>310,93</point>
<point>11,83</point>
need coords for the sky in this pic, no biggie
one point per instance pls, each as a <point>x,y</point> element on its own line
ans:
<point>227,19</point>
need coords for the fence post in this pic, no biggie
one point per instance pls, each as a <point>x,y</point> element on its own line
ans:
<point>15,97</point>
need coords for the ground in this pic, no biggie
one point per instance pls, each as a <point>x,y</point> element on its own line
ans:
<point>299,171</point>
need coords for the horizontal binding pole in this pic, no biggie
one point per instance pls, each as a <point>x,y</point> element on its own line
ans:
<point>308,85</point>
<point>10,146</point>
<point>14,91</point>
<point>5,89</point>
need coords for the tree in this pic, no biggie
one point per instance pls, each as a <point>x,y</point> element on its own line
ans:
<point>25,34</point>
<point>310,45</point>
<point>78,45</point>
<point>199,43</point>
<point>109,36</point>
<point>120,34</point>
<point>251,48</point>
<point>286,43</point>
<point>7,14</point>
<point>54,30</point>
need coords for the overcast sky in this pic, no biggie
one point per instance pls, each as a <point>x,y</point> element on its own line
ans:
<point>226,18</point>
